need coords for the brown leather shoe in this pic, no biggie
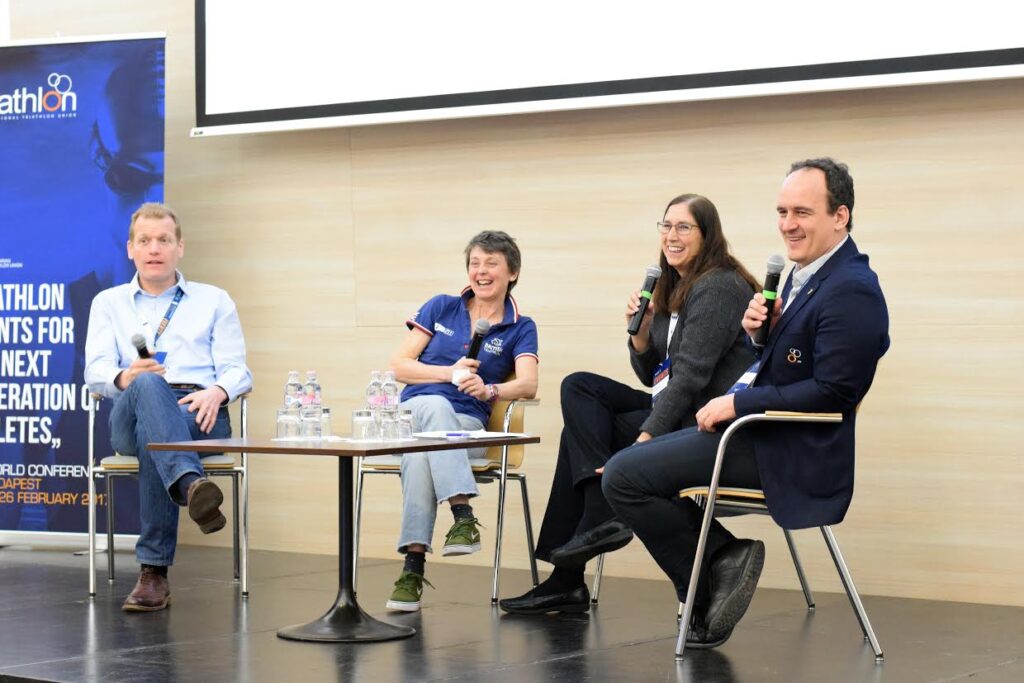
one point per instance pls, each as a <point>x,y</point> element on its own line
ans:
<point>204,499</point>
<point>152,592</point>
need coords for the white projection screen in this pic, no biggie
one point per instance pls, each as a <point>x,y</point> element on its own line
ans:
<point>263,66</point>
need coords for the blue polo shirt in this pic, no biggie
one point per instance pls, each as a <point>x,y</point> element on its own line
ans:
<point>446,319</point>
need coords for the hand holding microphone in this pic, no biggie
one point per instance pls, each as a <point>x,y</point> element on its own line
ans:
<point>757,320</point>
<point>144,363</point>
<point>638,306</point>
<point>468,365</point>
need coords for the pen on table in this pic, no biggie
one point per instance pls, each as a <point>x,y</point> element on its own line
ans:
<point>456,434</point>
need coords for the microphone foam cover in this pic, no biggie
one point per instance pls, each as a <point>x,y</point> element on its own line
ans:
<point>482,326</point>
<point>654,271</point>
<point>776,263</point>
<point>138,341</point>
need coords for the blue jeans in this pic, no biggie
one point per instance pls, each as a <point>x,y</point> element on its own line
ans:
<point>148,412</point>
<point>430,478</point>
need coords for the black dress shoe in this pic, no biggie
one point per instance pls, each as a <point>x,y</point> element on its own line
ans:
<point>576,600</point>
<point>581,548</point>
<point>698,637</point>
<point>735,570</point>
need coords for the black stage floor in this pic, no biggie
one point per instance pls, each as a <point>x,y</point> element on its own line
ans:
<point>49,629</point>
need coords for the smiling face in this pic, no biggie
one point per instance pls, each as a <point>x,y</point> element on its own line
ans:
<point>489,275</point>
<point>681,250</point>
<point>808,229</point>
<point>155,249</point>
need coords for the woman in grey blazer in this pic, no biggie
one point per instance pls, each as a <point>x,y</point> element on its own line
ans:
<point>690,348</point>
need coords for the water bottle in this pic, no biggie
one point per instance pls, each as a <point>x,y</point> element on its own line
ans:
<point>312,407</point>
<point>374,393</point>
<point>293,390</point>
<point>311,390</point>
<point>390,392</point>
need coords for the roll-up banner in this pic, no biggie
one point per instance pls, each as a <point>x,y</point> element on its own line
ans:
<point>81,147</point>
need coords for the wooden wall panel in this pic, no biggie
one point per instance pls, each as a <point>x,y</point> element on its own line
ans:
<point>329,239</point>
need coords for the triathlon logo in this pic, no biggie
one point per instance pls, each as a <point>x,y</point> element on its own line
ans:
<point>56,100</point>
<point>494,346</point>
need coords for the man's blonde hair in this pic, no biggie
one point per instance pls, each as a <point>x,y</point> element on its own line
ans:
<point>154,210</point>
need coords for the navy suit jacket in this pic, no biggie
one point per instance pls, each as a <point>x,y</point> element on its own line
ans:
<point>820,356</point>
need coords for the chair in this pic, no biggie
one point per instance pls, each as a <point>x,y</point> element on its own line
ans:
<point>497,464</point>
<point>752,501</point>
<point>217,465</point>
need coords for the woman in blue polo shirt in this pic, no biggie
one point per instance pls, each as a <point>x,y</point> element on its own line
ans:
<point>690,348</point>
<point>446,391</point>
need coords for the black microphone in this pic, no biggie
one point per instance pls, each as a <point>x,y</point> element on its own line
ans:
<point>771,285</point>
<point>139,342</point>
<point>480,330</point>
<point>646,292</point>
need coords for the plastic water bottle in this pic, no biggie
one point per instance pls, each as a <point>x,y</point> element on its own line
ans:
<point>293,390</point>
<point>390,392</point>
<point>311,395</point>
<point>374,393</point>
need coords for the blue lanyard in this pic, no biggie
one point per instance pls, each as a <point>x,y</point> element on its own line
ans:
<point>167,316</point>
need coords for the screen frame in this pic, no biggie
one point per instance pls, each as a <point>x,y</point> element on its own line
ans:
<point>885,72</point>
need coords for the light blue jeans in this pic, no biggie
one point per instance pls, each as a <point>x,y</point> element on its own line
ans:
<point>428,479</point>
<point>148,412</point>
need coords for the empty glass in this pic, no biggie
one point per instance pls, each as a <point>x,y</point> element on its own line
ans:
<point>287,423</point>
<point>364,427</point>
<point>325,422</point>
<point>406,424</point>
<point>311,416</point>
<point>389,428</point>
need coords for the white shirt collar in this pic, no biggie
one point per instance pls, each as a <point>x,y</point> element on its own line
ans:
<point>135,288</point>
<point>802,274</point>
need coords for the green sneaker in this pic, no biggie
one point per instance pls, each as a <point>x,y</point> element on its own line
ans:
<point>463,538</point>
<point>407,593</point>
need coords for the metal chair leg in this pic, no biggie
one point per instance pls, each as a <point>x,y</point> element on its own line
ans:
<point>705,527</point>
<point>91,447</point>
<point>92,535</point>
<point>110,527</point>
<point>804,585</point>
<point>503,482</point>
<point>529,529</point>
<point>851,591</point>
<point>243,514</point>
<point>358,523</point>
<point>595,592</point>
<point>236,523</point>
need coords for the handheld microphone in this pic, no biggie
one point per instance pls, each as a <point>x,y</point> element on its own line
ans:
<point>480,330</point>
<point>771,285</point>
<point>139,342</point>
<point>646,292</point>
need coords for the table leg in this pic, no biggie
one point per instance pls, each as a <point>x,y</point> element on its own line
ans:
<point>345,621</point>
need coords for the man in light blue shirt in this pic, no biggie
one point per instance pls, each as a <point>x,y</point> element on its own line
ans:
<point>180,393</point>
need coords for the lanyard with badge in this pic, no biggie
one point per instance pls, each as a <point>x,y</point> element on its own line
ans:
<point>168,315</point>
<point>663,372</point>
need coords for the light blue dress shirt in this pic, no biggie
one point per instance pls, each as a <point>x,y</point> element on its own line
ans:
<point>802,275</point>
<point>203,340</point>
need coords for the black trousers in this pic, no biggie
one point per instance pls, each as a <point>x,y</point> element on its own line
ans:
<point>600,417</point>
<point>642,484</point>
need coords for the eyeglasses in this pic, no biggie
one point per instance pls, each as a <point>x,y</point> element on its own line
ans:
<point>681,228</point>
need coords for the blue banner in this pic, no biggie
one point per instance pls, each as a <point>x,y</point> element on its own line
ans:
<point>81,147</point>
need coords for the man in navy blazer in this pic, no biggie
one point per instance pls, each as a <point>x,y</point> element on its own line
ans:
<point>829,330</point>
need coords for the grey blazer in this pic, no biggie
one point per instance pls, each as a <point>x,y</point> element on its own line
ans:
<point>708,349</point>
